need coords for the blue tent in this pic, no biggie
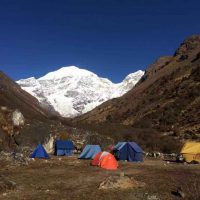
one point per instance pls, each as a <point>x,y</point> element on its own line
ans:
<point>64,148</point>
<point>129,151</point>
<point>39,152</point>
<point>90,151</point>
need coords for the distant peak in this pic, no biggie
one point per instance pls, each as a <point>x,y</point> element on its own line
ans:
<point>31,78</point>
<point>66,71</point>
<point>136,74</point>
<point>69,68</point>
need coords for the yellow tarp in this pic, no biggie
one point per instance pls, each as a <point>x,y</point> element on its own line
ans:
<point>191,151</point>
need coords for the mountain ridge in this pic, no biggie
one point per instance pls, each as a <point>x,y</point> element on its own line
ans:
<point>72,91</point>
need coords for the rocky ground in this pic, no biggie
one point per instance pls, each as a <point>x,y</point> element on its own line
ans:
<point>70,178</point>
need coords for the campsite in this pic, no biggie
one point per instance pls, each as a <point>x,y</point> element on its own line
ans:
<point>99,100</point>
<point>88,176</point>
<point>70,178</point>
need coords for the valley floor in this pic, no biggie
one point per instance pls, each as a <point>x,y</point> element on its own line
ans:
<point>70,178</point>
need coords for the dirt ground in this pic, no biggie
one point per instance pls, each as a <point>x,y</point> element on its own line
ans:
<point>70,178</point>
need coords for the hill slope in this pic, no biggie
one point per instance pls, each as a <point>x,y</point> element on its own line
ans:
<point>13,97</point>
<point>19,113</point>
<point>166,99</point>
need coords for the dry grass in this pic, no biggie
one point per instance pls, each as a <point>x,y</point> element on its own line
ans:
<point>71,179</point>
<point>190,187</point>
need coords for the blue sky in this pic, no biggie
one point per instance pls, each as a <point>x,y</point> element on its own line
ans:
<point>109,37</point>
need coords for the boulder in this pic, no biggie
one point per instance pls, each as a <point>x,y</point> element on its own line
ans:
<point>120,182</point>
<point>49,144</point>
<point>18,118</point>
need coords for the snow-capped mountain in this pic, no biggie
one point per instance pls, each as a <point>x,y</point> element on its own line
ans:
<point>72,91</point>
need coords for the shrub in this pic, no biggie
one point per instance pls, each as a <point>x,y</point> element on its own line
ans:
<point>109,117</point>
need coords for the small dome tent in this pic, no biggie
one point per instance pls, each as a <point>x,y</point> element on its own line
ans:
<point>90,151</point>
<point>40,152</point>
<point>105,160</point>
<point>191,151</point>
<point>95,161</point>
<point>129,151</point>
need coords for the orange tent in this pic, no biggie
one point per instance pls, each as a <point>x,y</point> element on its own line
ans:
<point>105,160</point>
<point>109,162</point>
<point>95,161</point>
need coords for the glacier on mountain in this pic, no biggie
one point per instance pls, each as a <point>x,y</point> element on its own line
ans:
<point>72,91</point>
